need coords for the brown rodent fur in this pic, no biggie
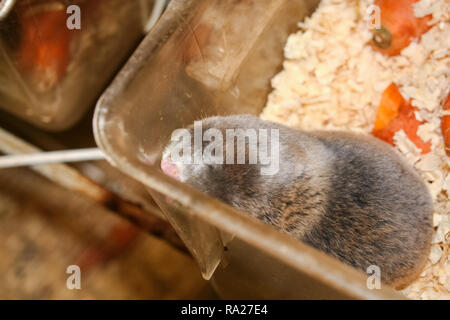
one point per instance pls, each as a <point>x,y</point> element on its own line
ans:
<point>351,196</point>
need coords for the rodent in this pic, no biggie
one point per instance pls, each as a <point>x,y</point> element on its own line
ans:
<point>351,196</point>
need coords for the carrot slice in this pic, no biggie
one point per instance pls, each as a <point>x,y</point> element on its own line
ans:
<point>399,26</point>
<point>390,103</point>
<point>45,42</point>
<point>445,126</point>
<point>395,114</point>
<point>44,48</point>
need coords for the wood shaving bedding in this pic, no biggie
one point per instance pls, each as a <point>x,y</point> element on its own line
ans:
<point>332,79</point>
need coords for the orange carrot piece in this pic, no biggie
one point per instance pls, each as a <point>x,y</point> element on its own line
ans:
<point>45,41</point>
<point>45,44</point>
<point>445,126</point>
<point>391,101</point>
<point>395,114</point>
<point>399,26</point>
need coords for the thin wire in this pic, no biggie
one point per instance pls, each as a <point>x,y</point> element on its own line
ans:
<point>32,159</point>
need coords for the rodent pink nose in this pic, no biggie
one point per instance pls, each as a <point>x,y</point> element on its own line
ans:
<point>170,169</point>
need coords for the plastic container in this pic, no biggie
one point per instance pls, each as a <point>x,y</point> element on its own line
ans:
<point>50,74</point>
<point>208,57</point>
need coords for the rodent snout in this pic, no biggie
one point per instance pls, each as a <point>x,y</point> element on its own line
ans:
<point>170,169</point>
